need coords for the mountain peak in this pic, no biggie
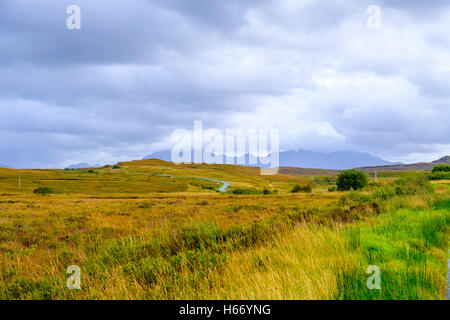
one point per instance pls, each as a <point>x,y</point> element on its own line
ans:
<point>81,165</point>
<point>445,160</point>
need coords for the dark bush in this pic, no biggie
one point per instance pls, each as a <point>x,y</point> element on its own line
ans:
<point>202,185</point>
<point>244,191</point>
<point>269,191</point>
<point>45,190</point>
<point>351,180</point>
<point>439,175</point>
<point>302,188</point>
<point>441,168</point>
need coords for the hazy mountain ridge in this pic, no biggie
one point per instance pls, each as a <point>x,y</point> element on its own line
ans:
<point>82,165</point>
<point>309,159</point>
<point>425,166</point>
<point>334,160</point>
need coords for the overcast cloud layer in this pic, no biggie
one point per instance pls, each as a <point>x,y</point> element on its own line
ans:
<point>137,70</point>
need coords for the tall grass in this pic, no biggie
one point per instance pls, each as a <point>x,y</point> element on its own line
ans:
<point>283,246</point>
<point>264,260</point>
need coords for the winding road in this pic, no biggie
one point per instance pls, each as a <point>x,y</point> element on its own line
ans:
<point>223,188</point>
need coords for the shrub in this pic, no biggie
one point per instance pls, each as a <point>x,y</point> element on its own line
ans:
<point>412,183</point>
<point>202,185</point>
<point>301,188</point>
<point>116,166</point>
<point>269,191</point>
<point>384,192</point>
<point>354,198</point>
<point>324,180</point>
<point>332,188</point>
<point>441,168</point>
<point>145,204</point>
<point>438,175</point>
<point>245,191</point>
<point>45,190</point>
<point>351,180</point>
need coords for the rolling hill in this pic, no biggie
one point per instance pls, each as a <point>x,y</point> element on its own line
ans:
<point>424,166</point>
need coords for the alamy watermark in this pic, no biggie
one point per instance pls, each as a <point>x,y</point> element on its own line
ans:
<point>73,22</point>
<point>374,281</point>
<point>374,20</point>
<point>259,147</point>
<point>74,281</point>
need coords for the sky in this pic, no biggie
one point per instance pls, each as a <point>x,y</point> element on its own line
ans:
<point>319,71</point>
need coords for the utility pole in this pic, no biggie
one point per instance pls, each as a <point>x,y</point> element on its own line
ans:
<point>376,176</point>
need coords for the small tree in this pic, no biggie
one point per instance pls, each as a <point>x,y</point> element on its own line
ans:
<point>351,179</point>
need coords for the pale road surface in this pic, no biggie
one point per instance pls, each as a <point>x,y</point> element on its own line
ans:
<point>223,188</point>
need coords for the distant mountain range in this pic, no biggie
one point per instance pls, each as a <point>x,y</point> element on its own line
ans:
<point>4,166</point>
<point>338,160</point>
<point>424,166</point>
<point>310,159</point>
<point>82,165</point>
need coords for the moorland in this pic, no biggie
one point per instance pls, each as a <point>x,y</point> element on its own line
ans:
<point>151,229</point>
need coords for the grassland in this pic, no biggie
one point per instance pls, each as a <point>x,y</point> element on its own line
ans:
<point>155,230</point>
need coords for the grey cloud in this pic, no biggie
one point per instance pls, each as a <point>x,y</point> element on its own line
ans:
<point>414,5</point>
<point>138,70</point>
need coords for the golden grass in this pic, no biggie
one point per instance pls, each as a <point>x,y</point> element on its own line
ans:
<point>299,264</point>
<point>98,219</point>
